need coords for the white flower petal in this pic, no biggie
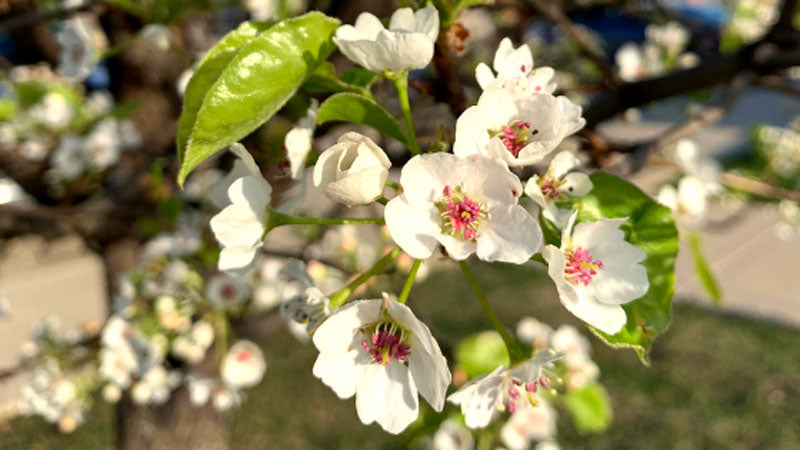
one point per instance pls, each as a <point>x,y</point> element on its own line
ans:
<point>577,184</point>
<point>387,395</point>
<point>237,225</point>
<point>412,228</point>
<point>509,235</point>
<point>335,335</point>
<point>484,75</point>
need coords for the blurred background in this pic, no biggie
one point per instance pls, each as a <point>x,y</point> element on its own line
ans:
<point>697,102</point>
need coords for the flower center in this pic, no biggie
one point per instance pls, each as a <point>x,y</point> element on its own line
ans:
<point>515,136</point>
<point>518,389</point>
<point>550,187</point>
<point>243,356</point>
<point>580,268</point>
<point>460,213</point>
<point>228,292</point>
<point>385,341</point>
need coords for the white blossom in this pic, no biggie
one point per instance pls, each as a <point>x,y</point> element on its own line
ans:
<point>298,140</point>
<point>468,205</point>
<point>518,129</point>
<point>240,225</point>
<point>353,171</point>
<point>529,423</point>
<point>243,365</point>
<point>103,144</point>
<point>155,386</point>
<point>511,63</point>
<point>483,397</point>
<point>78,54</point>
<point>157,36</point>
<point>200,388</point>
<point>596,271</point>
<point>380,352</point>
<point>452,435</point>
<point>406,44</point>
<point>227,291</point>
<point>557,185</point>
<point>193,345</point>
<point>53,111</point>
<point>69,158</point>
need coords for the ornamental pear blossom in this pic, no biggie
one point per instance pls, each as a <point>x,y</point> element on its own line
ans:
<point>482,397</point>
<point>240,225</point>
<point>529,423</point>
<point>557,185</point>
<point>227,291</point>
<point>156,36</point>
<point>510,63</point>
<point>298,140</point>
<point>69,158</point>
<point>688,200</point>
<point>635,63</point>
<point>596,272</point>
<point>517,129</point>
<point>305,311</point>
<point>380,352</point>
<point>353,171</point>
<point>243,365</point>
<point>103,144</point>
<point>155,386</point>
<point>78,54</point>
<point>672,37</point>
<point>193,345</point>
<point>224,399</point>
<point>53,111</point>
<point>577,356</point>
<point>452,435</point>
<point>199,387</point>
<point>407,44</point>
<point>468,205</point>
<point>533,332</point>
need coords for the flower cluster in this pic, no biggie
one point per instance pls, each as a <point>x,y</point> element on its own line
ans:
<point>662,52</point>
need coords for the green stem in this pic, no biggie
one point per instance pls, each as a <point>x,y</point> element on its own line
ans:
<point>277,219</point>
<point>382,200</point>
<point>400,80</point>
<point>514,351</point>
<point>393,185</point>
<point>412,275</point>
<point>339,297</point>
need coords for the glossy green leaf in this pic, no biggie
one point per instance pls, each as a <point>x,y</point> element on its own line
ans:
<point>703,270</point>
<point>590,408</point>
<point>651,227</point>
<point>481,353</point>
<point>8,109</point>
<point>263,75</point>
<point>350,107</point>
<point>324,80</point>
<point>208,71</point>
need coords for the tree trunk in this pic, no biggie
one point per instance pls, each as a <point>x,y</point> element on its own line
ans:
<point>174,425</point>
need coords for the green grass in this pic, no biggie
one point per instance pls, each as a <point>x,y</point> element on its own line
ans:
<point>716,381</point>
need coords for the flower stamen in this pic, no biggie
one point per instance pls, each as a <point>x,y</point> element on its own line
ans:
<point>580,267</point>
<point>460,213</point>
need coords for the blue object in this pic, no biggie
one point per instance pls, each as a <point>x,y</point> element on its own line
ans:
<point>99,78</point>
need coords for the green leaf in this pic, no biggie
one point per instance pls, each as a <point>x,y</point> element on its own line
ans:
<point>481,353</point>
<point>651,227</point>
<point>590,408</point>
<point>360,77</point>
<point>8,109</point>
<point>256,83</point>
<point>208,71</point>
<point>703,270</point>
<point>552,235</point>
<point>350,107</point>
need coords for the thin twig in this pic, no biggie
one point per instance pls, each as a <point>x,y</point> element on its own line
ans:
<point>34,17</point>
<point>640,153</point>
<point>553,11</point>
<point>757,187</point>
<point>777,83</point>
